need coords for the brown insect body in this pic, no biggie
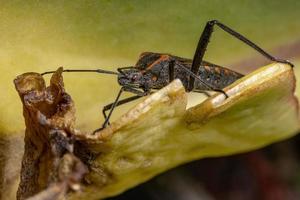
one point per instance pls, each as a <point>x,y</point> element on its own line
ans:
<point>152,72</point>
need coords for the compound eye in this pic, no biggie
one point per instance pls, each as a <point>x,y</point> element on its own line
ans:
<point>134,77</point>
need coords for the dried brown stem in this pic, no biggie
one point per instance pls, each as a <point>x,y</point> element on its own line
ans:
<point>49,118</point>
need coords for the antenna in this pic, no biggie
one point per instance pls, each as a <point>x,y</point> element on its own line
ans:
<point>101,71</point>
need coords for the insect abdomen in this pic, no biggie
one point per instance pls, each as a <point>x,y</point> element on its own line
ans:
<point>216,76</point>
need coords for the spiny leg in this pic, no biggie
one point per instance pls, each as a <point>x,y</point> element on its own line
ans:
<point>204,40</point>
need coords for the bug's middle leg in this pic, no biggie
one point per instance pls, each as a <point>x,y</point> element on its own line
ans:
<point>191,74</point>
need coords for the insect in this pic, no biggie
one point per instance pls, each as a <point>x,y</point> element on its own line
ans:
<point>156,70</point>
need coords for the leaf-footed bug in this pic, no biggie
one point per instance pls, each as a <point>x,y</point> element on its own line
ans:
<point>156,70</point>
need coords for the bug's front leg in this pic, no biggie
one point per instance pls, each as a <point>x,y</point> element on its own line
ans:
<point>118,102</point>
<point>121,102</point>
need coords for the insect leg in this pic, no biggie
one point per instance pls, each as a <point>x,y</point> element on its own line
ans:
<point>192,75</point>
<point>204,40</point>
<point>171,71</point>
<point>250,43</point>
<point>172,76</point>
<point>125,88</point>
<point>121,102</point>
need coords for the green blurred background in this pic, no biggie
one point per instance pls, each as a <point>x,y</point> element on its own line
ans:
<point>43,35</point>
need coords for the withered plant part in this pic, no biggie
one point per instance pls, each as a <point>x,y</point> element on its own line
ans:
<point>48,159</point>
